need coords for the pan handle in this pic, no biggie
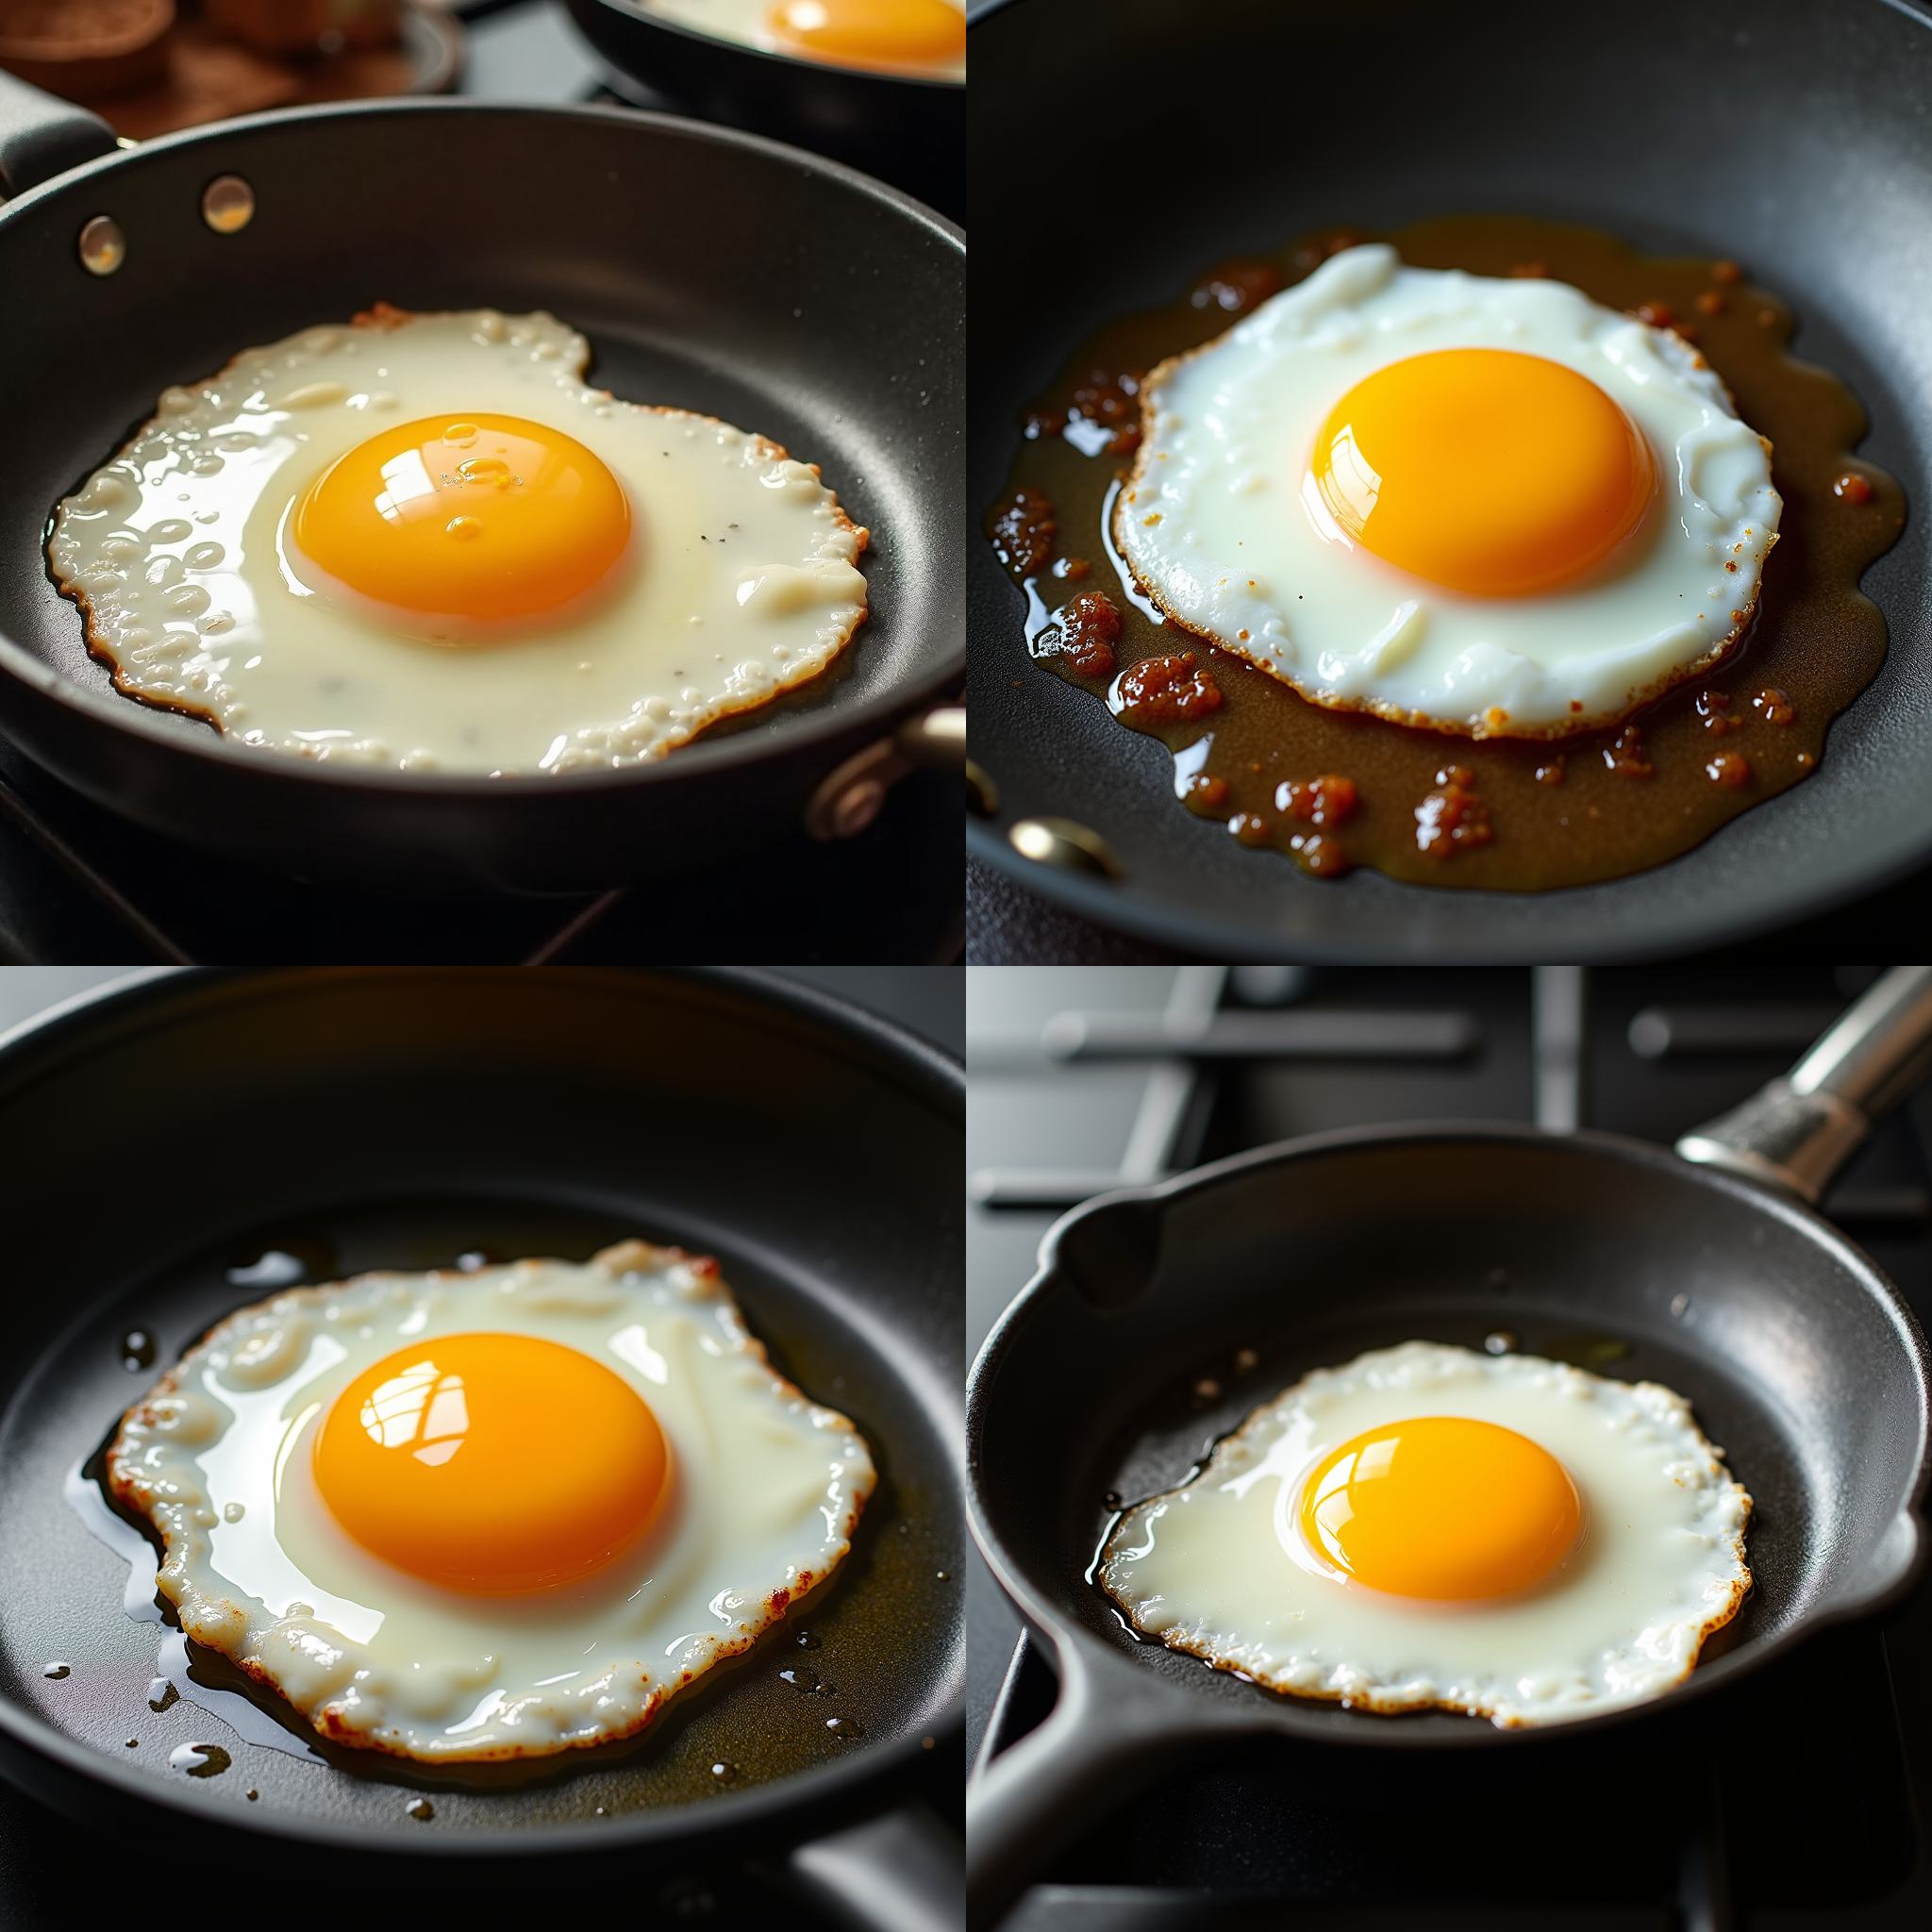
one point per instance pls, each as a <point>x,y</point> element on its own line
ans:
<point>1801,1129</point>
<point>898,1872</point>
<point>1098,1747</point>
<point>42,136</point>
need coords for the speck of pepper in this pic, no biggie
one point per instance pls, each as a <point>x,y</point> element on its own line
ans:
<point>421,1809</point>
<point>56,1671</point>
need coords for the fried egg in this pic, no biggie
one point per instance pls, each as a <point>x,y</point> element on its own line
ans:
<point>921,38</point>
<point>1479,505</point>
<point>423,541</point>
<point>493,1514</point>
<point>1429,1527</point>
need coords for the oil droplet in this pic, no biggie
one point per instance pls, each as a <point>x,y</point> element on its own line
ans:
<point>460,434</point>
<point>944,1577</point>
<point>800,1678</point>
<point>1246,1359</point>
<point>1205,1391</point>
<point>726,1774</point>
<point>232,1512</point>
<point>464,529</point>
<point>56,1671</point>
<point>475,1259</point>
<point>489,470</point>
<point>1501,1342</point>
<point>600,1811</point>
<point>199,1760</point>
<point>807,1640</point>
<point>252,1794</point>
<point>421,1809</point>
<point>137,1349</point>
<point>132,1743</point>
<point>844,1729</point>
<point>1679,1304</point>
<point>161,1693</point>
<point>1112,1500</point>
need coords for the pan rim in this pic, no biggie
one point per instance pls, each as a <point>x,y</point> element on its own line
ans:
<point>828,728</point>
<point>928,84</point>
<point>798,1800</point>
<point>1272,1716</point>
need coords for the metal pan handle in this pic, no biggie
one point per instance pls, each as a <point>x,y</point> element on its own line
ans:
<point>1800,1130</point>
<point>896,1872</point>
<point>42,136</point>
<point>1097,1748</point>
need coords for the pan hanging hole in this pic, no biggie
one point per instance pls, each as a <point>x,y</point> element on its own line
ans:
<point>103,247</point>
<point>227,204</point>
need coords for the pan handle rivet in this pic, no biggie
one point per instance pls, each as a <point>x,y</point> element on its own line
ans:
<point>103,247</point>
<point>1064,843</point>
<point>227,204</point>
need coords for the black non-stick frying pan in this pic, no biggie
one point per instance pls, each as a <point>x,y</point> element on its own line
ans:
<point>1704,1269</point>
<point>159,1137</point>
<point>709,269</point>
<point>908,129</point>
<point>1788,135</point>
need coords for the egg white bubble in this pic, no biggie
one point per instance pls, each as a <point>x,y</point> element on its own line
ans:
<point>742,581</point>
<point>1220,526</point>
<point>1219,1568</point>
<point>767,1487</point>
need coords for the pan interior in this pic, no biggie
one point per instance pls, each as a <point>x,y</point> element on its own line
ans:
<point>1443,112</point>
<point>1784,1344</point>
<point>707,276</point>
<point>886,1628</point>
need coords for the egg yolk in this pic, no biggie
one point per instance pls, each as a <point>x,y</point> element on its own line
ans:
<point>1483,470</point>
<point>480,517</point>
<point>878,33</point>
<point>492,1463</point>
<point>1442,1506</point>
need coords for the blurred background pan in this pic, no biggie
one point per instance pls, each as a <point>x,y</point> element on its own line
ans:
<point>898,127</point>
<point>398,1118</point>
<point>1707,1266</point>
<point>1788,135</point>
<point>709,269</point>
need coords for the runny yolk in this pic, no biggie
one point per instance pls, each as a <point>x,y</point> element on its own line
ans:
<point>478,517</point>
<point>1484,470</point>
<point>492,1463</point>
<point>883,33</point>
<point>1442,1506</point>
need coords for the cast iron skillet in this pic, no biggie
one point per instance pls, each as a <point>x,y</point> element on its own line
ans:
<point>909,130</point>
<point>159,1134</point>
<point>709,269</point>
<point>1275,120</point>
<point>1797,1355</point>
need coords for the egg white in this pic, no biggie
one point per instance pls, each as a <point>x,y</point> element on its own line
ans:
<point>742,581</point>
<point>1218,1567</point>
<point>768,1488</point>
<point>1217,524</point>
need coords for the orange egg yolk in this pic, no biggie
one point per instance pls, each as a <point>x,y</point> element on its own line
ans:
<point>482,518</point>
<point>492,1463</point>
<point>1442,1506</point>
<point>873,33</point>
<point>1483,470</point>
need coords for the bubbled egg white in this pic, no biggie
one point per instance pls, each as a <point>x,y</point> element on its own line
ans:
<point>1222,525</point>
<point>1225,1567</point>
<point>548,1638</point>
<point>730,573</point>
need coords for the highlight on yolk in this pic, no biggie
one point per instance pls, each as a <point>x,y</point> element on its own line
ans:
<point>492,1463</point>
<point>1442,1506</point>
<point>482,518</point>
<point>1484,470</point>
<point>873,33</point>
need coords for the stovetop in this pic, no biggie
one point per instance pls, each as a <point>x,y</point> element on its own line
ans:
<point>80,883</point>
<point>1803,1803</point>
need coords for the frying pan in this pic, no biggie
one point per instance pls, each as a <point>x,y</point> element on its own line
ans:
<point>1704,1269</point>
<point>909,130</point>
<point>709,269</point>
<point>160,1134</point>
<point>1788,135</point>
